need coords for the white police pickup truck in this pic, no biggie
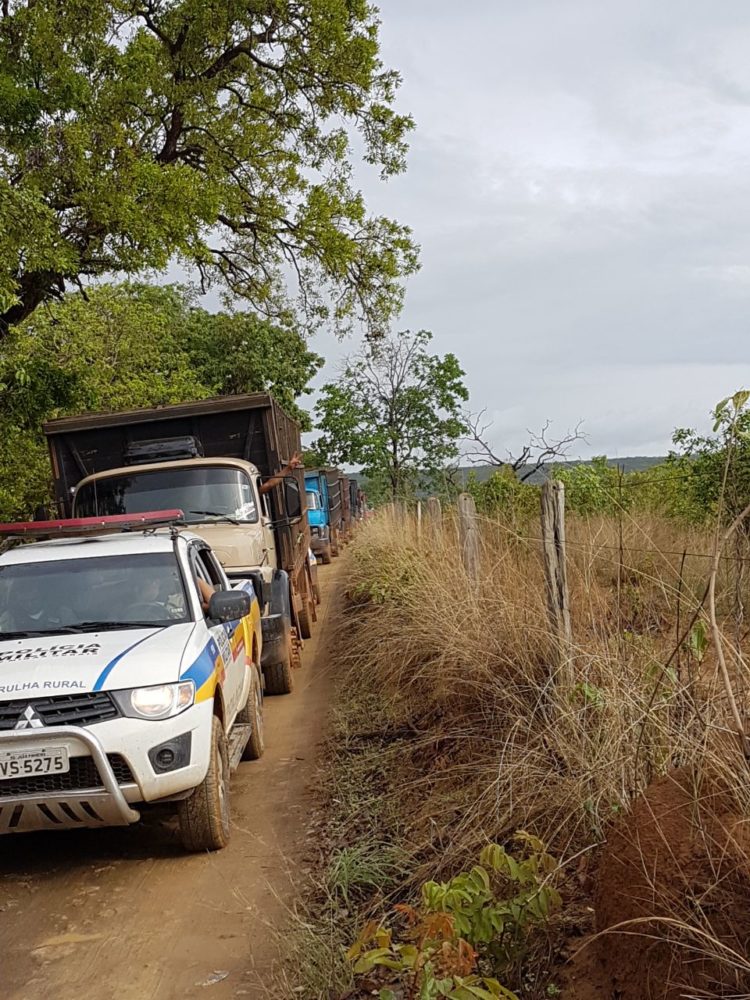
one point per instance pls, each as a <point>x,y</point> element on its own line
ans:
<point>118,686</point>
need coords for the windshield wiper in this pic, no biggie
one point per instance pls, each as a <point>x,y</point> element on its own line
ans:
<point>104,626</point>
<point>215,513</point>
<point>35,633</point>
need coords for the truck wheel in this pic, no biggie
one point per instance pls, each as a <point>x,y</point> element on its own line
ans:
<point>326,555</point>
<point>279,678</point>
<point>302,602</point>
<point>304,618</point>
<point>204,816</point>
<point>252,715</point>
<point>316,592</point>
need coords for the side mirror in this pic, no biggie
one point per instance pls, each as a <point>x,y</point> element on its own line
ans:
<point>228,605</point>
<point>293,497</point>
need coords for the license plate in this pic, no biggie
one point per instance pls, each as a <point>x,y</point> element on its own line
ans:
<point>27,763</point>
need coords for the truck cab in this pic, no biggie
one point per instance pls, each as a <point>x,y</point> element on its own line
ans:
<point>207,458</point>
<point>318,512</point>
<point>220,495</point>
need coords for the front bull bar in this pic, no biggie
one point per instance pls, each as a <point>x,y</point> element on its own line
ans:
<point>75,806</point>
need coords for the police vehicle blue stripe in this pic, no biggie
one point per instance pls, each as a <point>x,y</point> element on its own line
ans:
<point>113,663</point>
<point>203,666</point>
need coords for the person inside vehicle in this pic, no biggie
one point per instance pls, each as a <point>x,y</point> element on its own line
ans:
<point>294,463</point>
<point>206,592</point>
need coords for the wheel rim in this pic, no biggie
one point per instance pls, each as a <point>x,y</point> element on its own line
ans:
<point>258,713</point>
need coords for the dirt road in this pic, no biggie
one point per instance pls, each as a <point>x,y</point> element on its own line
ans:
<point>125,914</point>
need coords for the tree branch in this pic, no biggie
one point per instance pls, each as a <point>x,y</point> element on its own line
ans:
<point>537,453</point>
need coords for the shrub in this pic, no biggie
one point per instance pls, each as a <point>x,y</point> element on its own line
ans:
<point>467,930</point>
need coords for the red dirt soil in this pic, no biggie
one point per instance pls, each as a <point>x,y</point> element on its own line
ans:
<point>682,854</point>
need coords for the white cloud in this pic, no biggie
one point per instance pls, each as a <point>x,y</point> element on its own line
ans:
<point>579,184</point>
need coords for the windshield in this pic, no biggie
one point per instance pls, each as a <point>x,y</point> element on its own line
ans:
<point>312,501</point>
<point>203,493</point>
<point>68,595</point>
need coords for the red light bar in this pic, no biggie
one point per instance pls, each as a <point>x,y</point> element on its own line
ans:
<point>80,525</point>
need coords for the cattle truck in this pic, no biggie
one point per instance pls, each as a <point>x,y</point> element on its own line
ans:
<point>209,459</point>
<point>346,507</point>
<point>335,509</point>
<point>318,513</point>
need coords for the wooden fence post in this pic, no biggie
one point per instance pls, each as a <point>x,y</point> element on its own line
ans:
<point>468,535</point>
<point>555,573</point>
<point>434,521</point>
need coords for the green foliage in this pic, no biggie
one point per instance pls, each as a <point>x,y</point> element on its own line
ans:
<point>396,411</point>
<point>364,868</point>
<point>387,573</point>
<point>220,134</point>
<point>668,489</point>
<point>591,488</point>
<point>502,494</point>
<point>466,931</point>
<point>707,462</point>
<point>312,458</point>
<point>125,347</point>
<point>241,352</point>
<point>698,641</point>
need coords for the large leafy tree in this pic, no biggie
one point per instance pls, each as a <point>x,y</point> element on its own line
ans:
<point>137,132</point>
<point>242,352</point>
<point>129,346</point>
<point>396,411</point>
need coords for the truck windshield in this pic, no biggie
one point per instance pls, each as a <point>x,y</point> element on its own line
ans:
<point>204,493</point>
<point>312,501</point>
<point>97,593</point>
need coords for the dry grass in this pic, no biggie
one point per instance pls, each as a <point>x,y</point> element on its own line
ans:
<point>499,738</point>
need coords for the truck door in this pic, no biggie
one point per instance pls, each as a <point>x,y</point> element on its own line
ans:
<point>228,636</point>
<point>269,537</point>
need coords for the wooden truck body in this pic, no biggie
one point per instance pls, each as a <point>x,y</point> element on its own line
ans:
<point>209,459</point>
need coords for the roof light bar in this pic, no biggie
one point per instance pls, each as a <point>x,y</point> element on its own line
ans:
<point>81,525</point>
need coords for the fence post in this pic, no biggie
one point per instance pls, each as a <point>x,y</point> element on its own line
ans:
<point>555,573</point>
<point>419,520</point>
<point>434,520</point>
<point>468,535</point>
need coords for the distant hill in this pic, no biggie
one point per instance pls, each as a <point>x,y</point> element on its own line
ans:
<point>636,463</point>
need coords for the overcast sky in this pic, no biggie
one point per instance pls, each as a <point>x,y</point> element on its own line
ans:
<point>579,181</point>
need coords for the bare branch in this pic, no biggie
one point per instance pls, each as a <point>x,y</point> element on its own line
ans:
<point>539,451</point>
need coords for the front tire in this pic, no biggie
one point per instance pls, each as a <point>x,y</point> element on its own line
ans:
<point>205,820</point>
<point>326,555</point>
<point>252,715</point>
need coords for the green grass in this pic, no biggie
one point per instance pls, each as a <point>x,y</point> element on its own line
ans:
<point>358,872</point>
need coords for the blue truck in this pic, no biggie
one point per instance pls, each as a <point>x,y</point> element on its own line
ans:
<point>323,490</point>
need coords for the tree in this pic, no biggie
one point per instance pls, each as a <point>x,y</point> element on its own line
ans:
<point>129,346</point>
<point>396,411</point>
<point>136,132</point>
<point>242,352</point>
<point>715,468</point>
<point>540,451</point>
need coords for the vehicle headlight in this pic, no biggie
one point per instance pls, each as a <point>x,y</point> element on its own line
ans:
<point>161,701</point>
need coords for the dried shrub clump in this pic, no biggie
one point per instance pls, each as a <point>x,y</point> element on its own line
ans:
<point>499,737</point>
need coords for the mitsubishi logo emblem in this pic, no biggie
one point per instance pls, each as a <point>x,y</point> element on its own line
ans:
<point>29,720</point>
